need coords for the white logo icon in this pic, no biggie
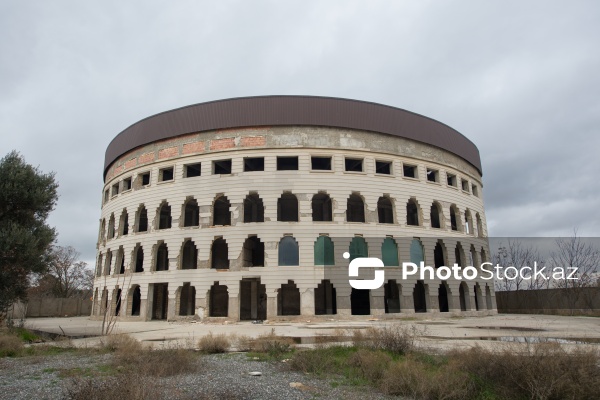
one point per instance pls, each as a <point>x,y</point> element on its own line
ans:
<point>365,262</point>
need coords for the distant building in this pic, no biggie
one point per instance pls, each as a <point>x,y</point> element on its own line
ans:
<point>243,208</point>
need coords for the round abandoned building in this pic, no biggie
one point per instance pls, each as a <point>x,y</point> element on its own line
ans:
<point>243,209</point>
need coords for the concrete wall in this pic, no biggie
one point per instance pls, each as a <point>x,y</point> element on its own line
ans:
<point>578,301</point>
<point>52,307</point>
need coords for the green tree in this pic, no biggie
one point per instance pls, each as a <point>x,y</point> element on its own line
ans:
<point>27,196</point>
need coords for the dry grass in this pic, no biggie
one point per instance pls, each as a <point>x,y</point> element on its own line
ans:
<point>131,387</point>
<point>271,344</point>
<point>398,339</point>
<point>371,364</point>
<point>214,344</point>
<point>10,345</point>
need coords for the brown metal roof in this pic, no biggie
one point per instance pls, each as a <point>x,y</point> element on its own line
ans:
<point>290,111</point>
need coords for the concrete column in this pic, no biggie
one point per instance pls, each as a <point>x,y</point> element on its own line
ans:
<point>271,307</point>
<point>307,302</point>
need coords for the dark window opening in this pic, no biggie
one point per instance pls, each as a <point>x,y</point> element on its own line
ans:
<point>126,184</point>
<point>253,299</point>
<point>321,163</point>
<point>164,221</point>
<point>145,179</point>
<point>115,189</point>
<point>288,299</point>
<point>219,254</point>
<point>106,195</point>
<point>443,298</point>
<point>383,167</point>
<point>392,297</point>
<point>355,209</point>
<point>191,215</point>
<point>412,213</point>
<point>325,298</point>
<point>189,256</point>
<point>458,254</point>
<point>139,260</point>
<point>111,227</point>
<point>321,207</point>
<point>453,219</point>
<point>162,258</point>
<point>143,220</point>
<point>160,300</point>
<point>193,170</point>
<point>438,256</point>
<point>463,294</point>
<point>187,300</point>
<point>222,167</point>
<point>122,261</point>
<point>254,164</point>
<point>124,223</point>
<point>254,211</point>
<point>287,208</point>
<point>118,303</point>
<point>432,175</point>
<point>219,301</point>
<point>221,214</point>
<point>136,303</point>
<point>254,252</point>
<point>435,216</point>
<point>419,297</point>
<point>451,180</point>
<point>410,171</point>
<point>465,185</point>
<point>385,210</point>
<point>360,301</point>
<point>166,174</point>
<point>287,163</point>
<point>354,164</point>
<point>474,191</point>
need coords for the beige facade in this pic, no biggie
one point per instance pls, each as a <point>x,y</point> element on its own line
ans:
<point>190,279</point>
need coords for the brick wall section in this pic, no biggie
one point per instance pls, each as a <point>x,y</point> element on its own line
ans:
<point>221,144</point>
<point>190,148</point>
<point>146,158</point>
<point>253,141</point>
<point>131,163</point>
<point>168,152</point>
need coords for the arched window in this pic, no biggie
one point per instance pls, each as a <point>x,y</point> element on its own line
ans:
<point>124,223</point>
<point>218,301</point>
<point>434,215</point>
<point>288,299</point>
<point>385,210</point>
<point>142,219</point>
<point>389,252</point>
<point>325,298</point>
<point>221,213</point>
<point>254,211</point>
<point>288,251</point>
<point>136,301</point>
<point>412,213</point>
<point>99,265</point>
<point>463,293</point>
<point>162,258</point>
<point>102,230</point>
<point>111,226</point>
<point>358,248</point>
<point>164,216</point>
<point>219,254</point>
<point>121,260</point>
<point>139,259</point>
<point>416,252</point>
<point>189,255</point>
<point>468,222</point>
<point>108,263</point>
<point>355,209</point>
<point>454,218</point>
<point>287,208</point>
<point>459,255</point>
<point>254,252</point>
<point>324,254</point>
<point>479,225</point>
<point>438,255</point>
<point>191,213</point>
<point>321,207</point>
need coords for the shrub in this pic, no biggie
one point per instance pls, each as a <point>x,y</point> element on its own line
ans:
<point>121,343</point>
<point>313,361</point>
<point>131,387</point>
<point>212,344</point>
<point>10,346</point>
<point>398,339</point>
<point>272,344</point>
<point>370,364</point>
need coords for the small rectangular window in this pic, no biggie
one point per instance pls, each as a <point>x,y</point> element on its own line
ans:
<point>193,170</point>
<point>115,189</point>
<point>465,185</point>
<point>320,163</point>
<point>222,167</point>
<point>252,164</point>
<point>126,184</point>
<point>433,175</point>
<point>451,180</point>
<point>287,163</point>
<point>474,190</point>
<point>410,171</point>
<point>383,167</point>
<point>145,178</point>
<point>106,195</point>
<point>165,174</point>
<point>354,164</point>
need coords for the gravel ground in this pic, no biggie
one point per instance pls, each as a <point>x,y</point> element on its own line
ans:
<point>219,376</point>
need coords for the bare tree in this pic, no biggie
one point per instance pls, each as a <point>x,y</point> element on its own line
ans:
<point>70,276</point>
<point>518,256</point>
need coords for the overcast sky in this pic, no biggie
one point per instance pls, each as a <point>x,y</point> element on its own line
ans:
<point>521,79</point>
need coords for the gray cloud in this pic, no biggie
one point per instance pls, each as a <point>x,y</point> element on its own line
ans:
<point>517,78</point>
